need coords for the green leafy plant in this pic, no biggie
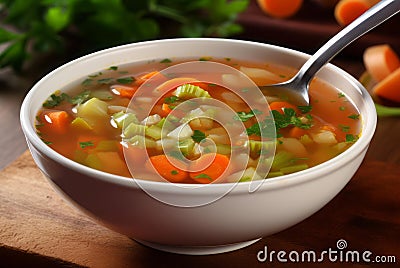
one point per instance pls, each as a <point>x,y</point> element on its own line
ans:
<point>43,26</point>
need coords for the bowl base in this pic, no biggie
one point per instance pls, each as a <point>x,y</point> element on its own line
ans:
<point>198,250</point>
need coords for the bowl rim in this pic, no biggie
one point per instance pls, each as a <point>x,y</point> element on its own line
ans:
<point>322,169</point>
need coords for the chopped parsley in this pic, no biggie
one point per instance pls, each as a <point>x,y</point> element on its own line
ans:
<point>341,95</point>
<point>174,172</point>
<point>166,61</point>
<point>55,100</point>
<point>244,116</point>
<point>81,97</point>
<point>171,99</point>
<point>126,80</point>
<point>305,109</point>
<point>354,116</point>
<point>203,176</point>
<point>289,118</point>
<point>264,128</point>
<point>198,136</point>
<point>105,81</point>
<point>342,108</point>
<point>344,128</point>
<point>85,144</point>
<point>351,138</point>
<point>113,68</point>
<point>87,82</point>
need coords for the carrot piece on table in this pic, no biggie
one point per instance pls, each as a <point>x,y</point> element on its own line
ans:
<point>389,87</point>
<point>59,121</point>
<point>348,10</point>
<point>208,167</point>
<point>280,8</point>
<point>380,61</point>
<point>296,132</point>
<point>124,91</point>
<point>166,169</point>
<point>281,105</point>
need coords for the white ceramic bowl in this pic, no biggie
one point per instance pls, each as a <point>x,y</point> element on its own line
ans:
<point>237,219</point>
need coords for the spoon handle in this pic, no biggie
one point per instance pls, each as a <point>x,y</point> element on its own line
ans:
<point>377,14</point>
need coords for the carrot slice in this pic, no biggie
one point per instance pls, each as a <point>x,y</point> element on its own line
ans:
<point>165,109</point>
<point>210,173</point>
<point>59,121</point>
<point>281,105</point>
<point>388,88</point>
<point>380,61</point>
<point>347,11</point>
<point>296,132</point>
<point>280,8</point>
<point>148,76</point>
<point>166,169</point>
<point>124,91</point>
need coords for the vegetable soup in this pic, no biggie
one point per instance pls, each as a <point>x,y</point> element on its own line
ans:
<point>137,121</point>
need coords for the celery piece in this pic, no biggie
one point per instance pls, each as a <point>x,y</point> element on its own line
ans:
<point>93,109</point>
<point>306,139</point>
<point>81,124</point>
<point>281,159</point>
<point>188,91</point>
<point>258,147</point>
<point>101,94</point>
<point>186,146</point>
<point>104,94</point>
<point>160,123</point>
<point>107,146</point>
<point>275,174</point>
<point>121,118</point>
<point>224,149</point>
<point>250,174</point>
<point>133,129</point>
<point>93,161</point>
<point>294,168</point>
<point>142,142</point>
<point>80,156</point>
<point>153,132</point>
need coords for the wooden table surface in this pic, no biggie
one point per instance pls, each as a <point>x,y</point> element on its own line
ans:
<point>38,229</point>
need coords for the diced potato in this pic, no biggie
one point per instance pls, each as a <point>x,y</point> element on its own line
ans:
<point>294,146</point>
<point>324,137</point>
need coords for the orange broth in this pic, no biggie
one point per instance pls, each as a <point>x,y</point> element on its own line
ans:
<point>92,135</point>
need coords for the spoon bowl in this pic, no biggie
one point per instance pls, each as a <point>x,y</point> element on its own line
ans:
<point>296,89</point>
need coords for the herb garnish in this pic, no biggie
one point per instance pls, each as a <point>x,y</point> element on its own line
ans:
<point>171,99</point>
<point>305,109</point>
<point>203,176</point>
<point>354,116</point>
<point>126,80</point>
<point>174,172</point>
<point>166,61</point>
<point>341,95</point>
<point>351,138</point>
<point>55,100</point>
<point>344,128</point>
<point>113,68</point>
<point>81,97</point>
<point>244,116</point>
<point>85,144</point>
<point>198,136</point>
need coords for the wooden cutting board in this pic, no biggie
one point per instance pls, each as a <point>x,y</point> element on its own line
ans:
<point>37,228</point>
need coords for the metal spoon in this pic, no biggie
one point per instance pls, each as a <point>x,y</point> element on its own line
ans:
<point>296,89</point>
